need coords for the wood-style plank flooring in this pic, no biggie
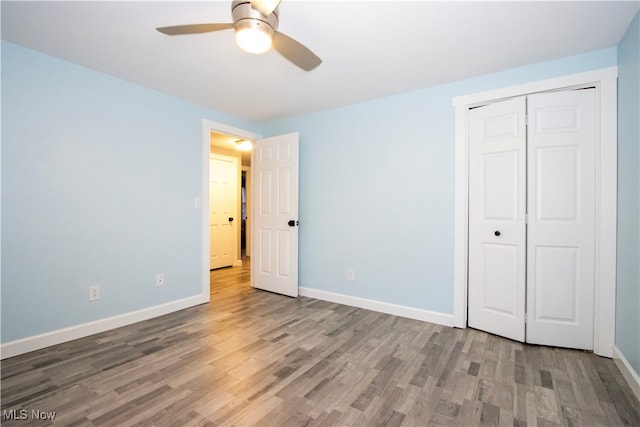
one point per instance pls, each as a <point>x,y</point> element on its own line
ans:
<point>253,358</point>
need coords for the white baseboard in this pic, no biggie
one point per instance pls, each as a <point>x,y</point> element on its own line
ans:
<point>627,371</point>
<point>382,307</point>
<point>36,342</point>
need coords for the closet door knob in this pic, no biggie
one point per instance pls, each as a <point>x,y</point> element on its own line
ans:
<point>497,233</point>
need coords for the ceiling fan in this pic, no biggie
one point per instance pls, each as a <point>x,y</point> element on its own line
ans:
<point>256,26</point>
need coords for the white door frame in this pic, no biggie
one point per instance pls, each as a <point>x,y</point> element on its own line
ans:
<point>605,81</point>
<point>209,126</point>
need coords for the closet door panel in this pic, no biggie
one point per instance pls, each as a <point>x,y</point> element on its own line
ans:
<point>561,229</point>
<point>497,198</point>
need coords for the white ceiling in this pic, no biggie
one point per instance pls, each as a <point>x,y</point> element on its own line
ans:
<point>370,49</point>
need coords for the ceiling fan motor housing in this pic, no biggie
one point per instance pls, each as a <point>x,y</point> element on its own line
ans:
<point>246,17</point>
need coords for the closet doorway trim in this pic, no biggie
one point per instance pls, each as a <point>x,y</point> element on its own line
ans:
<point>605,82</point>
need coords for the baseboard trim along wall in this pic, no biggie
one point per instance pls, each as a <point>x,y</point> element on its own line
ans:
<point>627,371</point>
<point>382,307</point>
<point>37,342</point>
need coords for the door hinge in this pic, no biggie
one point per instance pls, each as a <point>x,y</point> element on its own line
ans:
<point>526,219</point>
<point>526,120</point>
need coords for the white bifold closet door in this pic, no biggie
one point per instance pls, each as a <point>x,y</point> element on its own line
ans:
<point>532,218</point>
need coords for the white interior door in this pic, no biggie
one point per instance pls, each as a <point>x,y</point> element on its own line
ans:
<point>561,235</point>
<point>223,186</point>
<point>274,261</point>
<point>497,207</point>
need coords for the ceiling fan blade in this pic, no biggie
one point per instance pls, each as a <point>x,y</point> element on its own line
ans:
<point>265,7</point>
<point>295,52</point>
<point>177,30</point>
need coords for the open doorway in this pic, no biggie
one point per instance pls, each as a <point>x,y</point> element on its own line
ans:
<point>233,134</point>
<point>229,209</point>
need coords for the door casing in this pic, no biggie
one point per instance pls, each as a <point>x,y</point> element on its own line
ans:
<point>605,82</point>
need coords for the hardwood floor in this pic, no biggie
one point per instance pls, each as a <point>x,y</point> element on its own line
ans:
<point>256,358</point>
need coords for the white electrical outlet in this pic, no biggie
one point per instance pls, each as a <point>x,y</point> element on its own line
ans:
<point>94,292</point>
<point>351,274</point>
<point>159,280</point>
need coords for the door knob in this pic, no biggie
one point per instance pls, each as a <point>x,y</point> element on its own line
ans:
<point>230,219</point>
<point>293,223</point>
<point>497,233</point>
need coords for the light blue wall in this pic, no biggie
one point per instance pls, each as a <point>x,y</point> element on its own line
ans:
<point>628,271</point>
<point>99,178</point>
<point>377,185</point>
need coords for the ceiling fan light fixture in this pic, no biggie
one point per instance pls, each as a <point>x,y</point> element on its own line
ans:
<point>254,31</point>
<point>253,41</point>
<point>256,28</point>
<point>254,36</point>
